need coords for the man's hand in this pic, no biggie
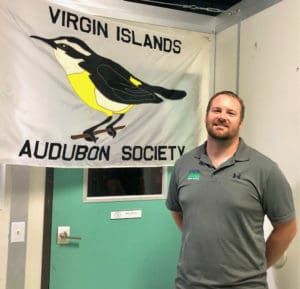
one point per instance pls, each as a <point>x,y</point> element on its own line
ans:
<point>177,216</point>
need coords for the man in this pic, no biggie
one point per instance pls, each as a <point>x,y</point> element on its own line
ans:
<point>219,194</point>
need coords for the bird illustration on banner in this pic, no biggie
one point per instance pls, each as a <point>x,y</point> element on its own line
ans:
<point>103,84</point>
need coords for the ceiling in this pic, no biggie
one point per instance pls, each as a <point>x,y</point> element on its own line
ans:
<point>216,15</point>
<point>210,8</point>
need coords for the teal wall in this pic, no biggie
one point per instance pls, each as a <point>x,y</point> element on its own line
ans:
<point>113,254</point>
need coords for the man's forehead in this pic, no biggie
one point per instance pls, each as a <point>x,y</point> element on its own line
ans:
<point>225,100</point>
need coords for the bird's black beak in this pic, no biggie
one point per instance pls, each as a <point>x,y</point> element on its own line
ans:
<point>48,41</point>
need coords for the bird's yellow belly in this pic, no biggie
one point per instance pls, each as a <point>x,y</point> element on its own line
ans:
<point>88,93</point>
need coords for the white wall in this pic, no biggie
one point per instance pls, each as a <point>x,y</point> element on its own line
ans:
<point>269,82</point>
<point>226,61</point>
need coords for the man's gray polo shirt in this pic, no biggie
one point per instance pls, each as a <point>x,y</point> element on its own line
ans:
<point>223,212</point>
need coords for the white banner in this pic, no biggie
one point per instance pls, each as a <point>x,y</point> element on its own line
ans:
<point>81,90</point>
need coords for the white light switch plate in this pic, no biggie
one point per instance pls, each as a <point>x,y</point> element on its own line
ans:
<point>17,232</point>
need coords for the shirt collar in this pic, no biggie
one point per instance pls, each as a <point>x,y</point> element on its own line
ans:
<point>242,153</point>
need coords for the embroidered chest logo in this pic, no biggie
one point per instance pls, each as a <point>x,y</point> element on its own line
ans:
<point>194,174</point>
<point>237,176</point>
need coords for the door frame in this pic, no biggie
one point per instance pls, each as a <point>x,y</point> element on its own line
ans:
<point>46,252</point>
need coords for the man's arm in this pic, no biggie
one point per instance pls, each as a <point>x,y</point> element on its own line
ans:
<point>177,216</point>
<point>279,240</point>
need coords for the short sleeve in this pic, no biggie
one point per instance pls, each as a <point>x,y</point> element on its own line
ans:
<point>172,201</point>
<point>278,197</point>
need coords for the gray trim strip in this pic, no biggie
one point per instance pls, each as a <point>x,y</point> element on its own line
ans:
<point>16,259</point>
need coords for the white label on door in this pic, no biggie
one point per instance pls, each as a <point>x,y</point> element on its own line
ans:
<point>133,214</point>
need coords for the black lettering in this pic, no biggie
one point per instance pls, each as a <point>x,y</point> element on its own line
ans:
<point>146,158</point>
<point>94,26</point>
<point>125,35</point>
<point>162,153</point>
<point>126,153</point>
<point>63,21</point>
<point>102,29</point>
<point>172,148</point>
<point>137,150</point>
<point>133,39</point>
<point>81,152</point>
<point>85,24</point>
<point>147,41</point>
<point>90,156</point>
<point>26,149</point>
<point>54,151</point>
<point>72,19</point>
<point>177,46</point>
<point>158,43</point>
<point>181,150</point>
<point>36,148</point>
<point>54,16</point>
<point>167,44</point>
<point>118,33</point>
<point>104,153</point>
<point>64,153</point>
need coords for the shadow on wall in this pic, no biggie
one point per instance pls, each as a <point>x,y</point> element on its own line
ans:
<point>288,276</point>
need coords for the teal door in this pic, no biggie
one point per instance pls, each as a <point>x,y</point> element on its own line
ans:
<point>112,254</point>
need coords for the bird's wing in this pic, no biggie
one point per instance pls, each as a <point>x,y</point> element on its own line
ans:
<point>122,88</point>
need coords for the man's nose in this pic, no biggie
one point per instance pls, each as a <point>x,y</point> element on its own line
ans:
<point>222,117</point>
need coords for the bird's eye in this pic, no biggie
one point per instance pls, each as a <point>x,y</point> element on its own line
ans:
<point>63,46</point>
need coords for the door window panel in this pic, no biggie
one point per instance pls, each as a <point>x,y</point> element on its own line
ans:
<point>109,184</point>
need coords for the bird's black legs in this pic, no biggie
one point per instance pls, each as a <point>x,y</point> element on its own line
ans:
<point>110,128</point>
<point>90,136</point>
<point>90,132</point>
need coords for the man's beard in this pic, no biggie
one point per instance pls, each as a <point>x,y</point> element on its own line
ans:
<point>220,135</point>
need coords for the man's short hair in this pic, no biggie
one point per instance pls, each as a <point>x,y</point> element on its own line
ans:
<point>229,93</point>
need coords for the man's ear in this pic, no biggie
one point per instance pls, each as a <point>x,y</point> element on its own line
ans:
<point>241,124</point>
